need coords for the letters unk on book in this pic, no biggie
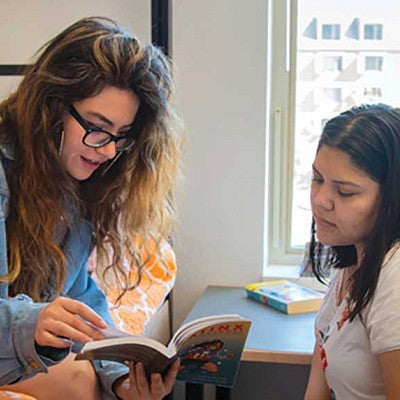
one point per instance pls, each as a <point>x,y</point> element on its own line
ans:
<point>209,348</point>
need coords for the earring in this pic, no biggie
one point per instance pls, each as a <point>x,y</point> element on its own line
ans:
<point>111,163</point>
<point>60,148</point>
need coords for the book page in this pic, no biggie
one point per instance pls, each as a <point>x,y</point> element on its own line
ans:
<point>127,340</point>
<point>111,332</point>
<point>192,326</point>
<point>154,356</point>
<point>108,332</point>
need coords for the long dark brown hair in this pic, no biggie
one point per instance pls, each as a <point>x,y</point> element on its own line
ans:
<point>133,198</point>
<point>370,136</point>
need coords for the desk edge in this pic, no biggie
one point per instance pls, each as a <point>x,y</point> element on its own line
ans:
<point>276,357</point>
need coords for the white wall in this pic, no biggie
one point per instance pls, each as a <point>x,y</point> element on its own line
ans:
<point>220,49</point>
<point>26,25</point>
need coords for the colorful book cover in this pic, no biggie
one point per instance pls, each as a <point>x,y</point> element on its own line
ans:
<point>285,296</point>
<point>212,355</point>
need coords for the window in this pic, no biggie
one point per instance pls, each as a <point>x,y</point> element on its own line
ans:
<point>333,63</point>
<point>373,63</point>
<point>311,29</point>
<point>331,31</point>
<point>304,96</point>
<point>353,31</point>
<point>373,31</point>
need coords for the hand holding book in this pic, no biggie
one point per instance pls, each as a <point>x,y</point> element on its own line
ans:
<point>130,385</point>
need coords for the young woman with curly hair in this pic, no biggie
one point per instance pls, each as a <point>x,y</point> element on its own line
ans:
<point>89,148</point>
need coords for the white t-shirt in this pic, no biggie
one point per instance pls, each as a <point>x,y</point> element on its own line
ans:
<point>349,349</point>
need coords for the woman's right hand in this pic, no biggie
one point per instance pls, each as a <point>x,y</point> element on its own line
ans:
<point>65,320</point>
<point>137,387</point>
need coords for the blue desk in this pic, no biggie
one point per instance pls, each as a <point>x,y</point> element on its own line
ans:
<point>273,337</point>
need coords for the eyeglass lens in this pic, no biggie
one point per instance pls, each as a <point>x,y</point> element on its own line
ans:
<point>96,137</point>
<point>101,138</point>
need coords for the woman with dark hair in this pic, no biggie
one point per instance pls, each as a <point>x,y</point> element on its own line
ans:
<point>355,201</point>
<point>89,149</point>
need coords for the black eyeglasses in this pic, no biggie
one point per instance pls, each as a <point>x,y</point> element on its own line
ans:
<point>97,137</point>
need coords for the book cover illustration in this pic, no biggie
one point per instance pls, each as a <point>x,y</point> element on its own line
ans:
<point>212,355</point>
<point>285,296</point>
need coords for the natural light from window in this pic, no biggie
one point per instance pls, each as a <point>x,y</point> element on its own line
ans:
<point>348,53</point>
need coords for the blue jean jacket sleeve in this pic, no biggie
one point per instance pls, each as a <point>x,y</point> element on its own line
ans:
<point>20,358</point>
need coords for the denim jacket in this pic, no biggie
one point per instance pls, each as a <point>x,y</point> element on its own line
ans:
<point>20,358</point>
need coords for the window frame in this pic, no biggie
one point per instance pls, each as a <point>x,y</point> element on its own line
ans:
<point>282,106</point>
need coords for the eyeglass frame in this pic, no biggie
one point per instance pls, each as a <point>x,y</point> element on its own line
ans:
<point>88,130</point>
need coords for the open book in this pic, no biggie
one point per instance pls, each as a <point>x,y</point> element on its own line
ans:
<point>209,349</point>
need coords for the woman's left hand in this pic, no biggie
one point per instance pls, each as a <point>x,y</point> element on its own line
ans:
<point>136,387</point>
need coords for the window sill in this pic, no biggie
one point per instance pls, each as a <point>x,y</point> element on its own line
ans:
<point>282,271</point>
<point>292,273</point>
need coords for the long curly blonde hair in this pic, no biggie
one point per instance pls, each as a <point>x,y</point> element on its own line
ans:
<point>135,197</point>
